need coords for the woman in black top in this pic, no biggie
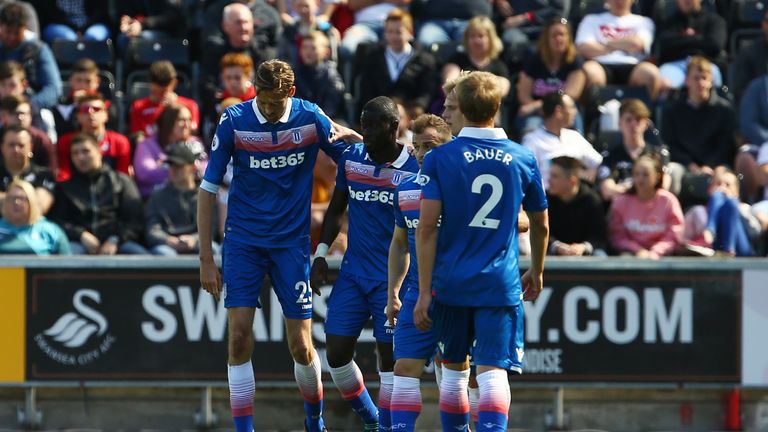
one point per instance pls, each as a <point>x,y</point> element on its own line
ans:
<point>555,66</point>
<point>482,47</point>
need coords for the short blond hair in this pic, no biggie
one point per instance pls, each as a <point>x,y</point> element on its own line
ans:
<point>699,63</point>
<point>34,206</point>
<point>479,96</point>
<point>275,76</point>
<point>484,24</point>
<point>451,83</point>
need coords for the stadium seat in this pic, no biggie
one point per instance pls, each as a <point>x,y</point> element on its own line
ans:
<point>443,52</point>
<point>67,52</point>
<point>741,38</point>
<point>746,14</point>
<point>601,95</point>
<point>144,52</point>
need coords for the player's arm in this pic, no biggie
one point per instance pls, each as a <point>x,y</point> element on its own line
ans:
<point>533,278</point>
<point>426,249</point>
<point>397,267</point>
<point>209,275</point>
<point>332,222</point>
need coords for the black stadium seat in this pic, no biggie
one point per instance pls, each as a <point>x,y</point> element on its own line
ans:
<point>143,52</point>
<point>67,52</point>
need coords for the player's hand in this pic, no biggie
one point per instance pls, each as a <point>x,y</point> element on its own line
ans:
<point>210,278</point>
<point>532,285</point>
<point>342,133</point>
<point>318,276</point>
<point>421,313</point>
<point>393,310</point>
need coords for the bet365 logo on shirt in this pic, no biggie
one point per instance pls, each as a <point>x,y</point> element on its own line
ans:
<point>277,161</point>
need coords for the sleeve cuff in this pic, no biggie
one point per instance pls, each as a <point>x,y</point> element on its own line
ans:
<point>209,187</point>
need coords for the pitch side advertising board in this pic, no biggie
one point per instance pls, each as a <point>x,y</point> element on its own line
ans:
<point>587,325</point>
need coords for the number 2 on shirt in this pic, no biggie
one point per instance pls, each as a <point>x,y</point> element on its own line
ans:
<point>481,219</point>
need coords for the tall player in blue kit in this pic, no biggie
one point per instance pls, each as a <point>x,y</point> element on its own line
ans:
<point>477,183</point>
<point>368,174</point>
<point>273,142</point>
<point>412,347</point>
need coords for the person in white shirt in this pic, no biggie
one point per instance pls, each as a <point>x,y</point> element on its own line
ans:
<point>615,44</point>
<point>553,139</point>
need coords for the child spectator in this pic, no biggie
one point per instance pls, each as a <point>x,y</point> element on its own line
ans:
<point>614,175</point>
<point>308,22</point>
<point>576,215</point>
<point>173,126</point>
<point>646,221</point>
<point>162,86</point>
<point>92,117</point>
<point>98,208</point>
<point>84,79</point>
<point>317,79</point>
<point>237,77</point>
<point>725,224</point>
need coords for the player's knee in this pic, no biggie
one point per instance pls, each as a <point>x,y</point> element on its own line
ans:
<point>301,352</point>
<point>338,359</point>
<point>240,342</point>
<point>409,368</point>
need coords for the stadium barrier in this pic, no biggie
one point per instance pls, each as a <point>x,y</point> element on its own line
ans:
<point>130,321</point>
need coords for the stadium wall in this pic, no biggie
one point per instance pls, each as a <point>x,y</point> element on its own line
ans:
<point>124,321</point>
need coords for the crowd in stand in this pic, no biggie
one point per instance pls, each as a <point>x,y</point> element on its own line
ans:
<point>649,119</point>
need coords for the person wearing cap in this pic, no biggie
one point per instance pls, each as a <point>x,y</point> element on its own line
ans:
<point>171,212</point>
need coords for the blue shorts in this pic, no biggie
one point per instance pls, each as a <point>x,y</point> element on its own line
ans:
<point>497,333</point>
<point>353,301</point>
<point>244,267</point>
<point>410,342</point>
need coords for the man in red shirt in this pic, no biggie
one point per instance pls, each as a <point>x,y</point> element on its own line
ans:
<point>162,86</point>
<point>92,117</point>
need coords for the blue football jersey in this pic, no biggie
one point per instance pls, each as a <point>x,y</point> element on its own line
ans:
<point>371,188</point>
<point>407,203</point>
<point>270,193</point>
<point>481,178</point>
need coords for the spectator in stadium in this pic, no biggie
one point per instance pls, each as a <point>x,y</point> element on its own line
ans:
<point>443,21</point>
<point>614,175</point>
<point>692,30</point>
<point>753,111</point>
<point>699,127</point>
<point>482,47</point>
<point>750,62</point>
<point>553,139</point>
<point>265,20</point>
<point>616,44</point>
<point>646,221</point>
<point>576,214</point>
<point>173,128</point>
<point>724,224</point>
<point>317,78</point>
<point>16,148</point>
<point>24,229</point>
<point>369,23</point>
<point>521,23</point>
<point>162,92</point>
<point>398,69</point>
<point>83,79</point>
<point>33,23</point>
<point>171,212</point>
<point>98,208</point>
<point>236,79</point>
<point>13,81</point>
<point>554,66</point>
<point>73,20</point>
<point>154,19</point>
<point>236,37</point>
<point>92,118</point>
<point>16,111</point>
<point>40,67</point>
<point>307,23</point>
